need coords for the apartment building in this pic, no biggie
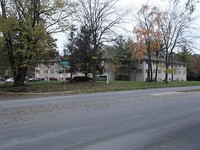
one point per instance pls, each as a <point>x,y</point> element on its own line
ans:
<point>54,69</point>
<point>57,69</point>
<point>51,69</point>
<point>139,73</point>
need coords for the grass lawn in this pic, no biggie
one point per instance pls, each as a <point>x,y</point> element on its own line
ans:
<point>87,87</point>
<point>54,88</point>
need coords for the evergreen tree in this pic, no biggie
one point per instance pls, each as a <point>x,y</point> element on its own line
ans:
<point>70,52</point>
<point>120,58</point>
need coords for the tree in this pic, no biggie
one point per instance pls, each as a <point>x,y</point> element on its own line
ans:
<point>190,5</point>
<point>79,52</point>
<point>197,68</point>
<point>191,60</point>
<point>84,52</point>
<point>70,51</point>
<point>26,27</point>
<point>119,58</point>
<point>174,26</point>
<point>99,17</point>
<point>147,32</point>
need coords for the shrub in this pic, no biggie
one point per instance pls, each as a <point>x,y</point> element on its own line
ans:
<point>53,79</point>
<point>68,79</point>
<point>82,78</point>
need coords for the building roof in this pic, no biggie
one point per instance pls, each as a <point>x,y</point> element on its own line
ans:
<point>160,59</point>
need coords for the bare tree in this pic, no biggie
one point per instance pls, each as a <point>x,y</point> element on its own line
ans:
<point>175,26</point>
<point>99,17</point>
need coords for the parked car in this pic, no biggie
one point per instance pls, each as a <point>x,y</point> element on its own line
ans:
<point>33,79</point>
<point>9,80</point>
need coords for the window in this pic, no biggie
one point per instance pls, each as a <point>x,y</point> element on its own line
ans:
<point>51,63</point>
<point>51,71</point>
<point>46,71</point>
<point>139,71</point>
<point>37,71</point>
<point>159,71</point>
<point>175,71</point>
<point>37,65</point>
<point>179,72</point>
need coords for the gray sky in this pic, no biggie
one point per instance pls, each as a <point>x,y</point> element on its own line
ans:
<point>61,37</point>
<point>135,4</point>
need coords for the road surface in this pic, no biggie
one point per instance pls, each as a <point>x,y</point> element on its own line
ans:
<point>154,119</point>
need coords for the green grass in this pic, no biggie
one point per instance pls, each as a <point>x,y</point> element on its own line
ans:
<point>88,87</point>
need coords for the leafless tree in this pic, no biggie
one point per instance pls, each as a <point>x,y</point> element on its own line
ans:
<point>99,17</point>
<point>175,27</point>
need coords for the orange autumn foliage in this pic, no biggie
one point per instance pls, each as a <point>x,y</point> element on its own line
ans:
<point>147,32</point>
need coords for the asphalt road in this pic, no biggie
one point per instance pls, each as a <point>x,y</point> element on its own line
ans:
<point>154,119</point>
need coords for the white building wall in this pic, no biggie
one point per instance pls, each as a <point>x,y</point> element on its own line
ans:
<point>51,70</point>
<point>140,74</point>
<point>110,73</point>
<point>180,72</point>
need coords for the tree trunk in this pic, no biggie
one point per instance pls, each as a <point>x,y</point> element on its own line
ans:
<point>166,66</point>
<point>172,68</point>
<point>149,72</point>
<point>19,76</point>
<point>166,72</point>
<point>156,73</point>
<point>94,73</point>
<point>71,75</point>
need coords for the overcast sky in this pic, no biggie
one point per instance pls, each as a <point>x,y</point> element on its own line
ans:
<point>135,4</point>
<point>61,37</point>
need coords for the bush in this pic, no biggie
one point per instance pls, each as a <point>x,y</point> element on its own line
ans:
<point>68,79</point>
<point>53,79</point>
<point>123,77</point>
<point>82,78</point>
